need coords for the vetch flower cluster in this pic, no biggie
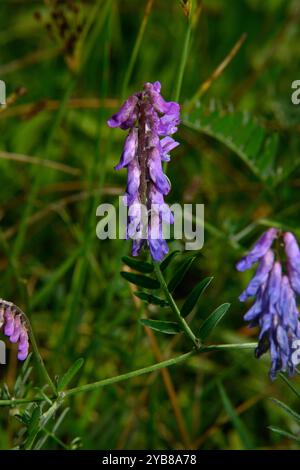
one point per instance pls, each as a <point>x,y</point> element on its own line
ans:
<point>275,309</point>
<point>151,121</point>
<point>14,326</point>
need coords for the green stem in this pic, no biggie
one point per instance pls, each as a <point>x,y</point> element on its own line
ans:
<point>130,375</point>
<point>38,357</point>
<point>185,327</point>
<point>182,64</point>
<point>21,401</point>
<point>227,347</point>
<point>155,367</point>
<point>136,48</point>
<point>183,60</point>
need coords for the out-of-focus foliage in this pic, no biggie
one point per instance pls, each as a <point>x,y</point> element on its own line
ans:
<point>64,65</point>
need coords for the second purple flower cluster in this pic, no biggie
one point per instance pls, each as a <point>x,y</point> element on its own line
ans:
<point>275,287</point>
<point>151,121</point>
<point>13,323</point>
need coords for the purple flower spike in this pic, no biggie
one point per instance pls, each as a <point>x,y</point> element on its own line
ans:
<point>275,309</point>
<point>279,325</point>
<point>149,117</point>
<point>286,331</point>
<point>259,250</point>
<point>14,326</point>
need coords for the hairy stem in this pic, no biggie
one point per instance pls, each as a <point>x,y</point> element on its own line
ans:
<point>132,374</point>
<point>154,367</point>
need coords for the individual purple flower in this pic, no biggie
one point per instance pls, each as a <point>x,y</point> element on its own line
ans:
<point>168,123</point>
<point>255,311</point>
<point>157,244</point>
<point>151,121</point>
<point>262,273</point>
<point>156,172</point>
<point>14,326</point>
<point>275,309</point>
<point>259,249</point>
<point>130,149</point>
<point>167,144</point>
<point>127,114</point>
<point>159,206</point>
<point>293,260</point>
<point>137,220</point>
<point>8,322</point>
<point>23,346</point>
<point>133,181</point>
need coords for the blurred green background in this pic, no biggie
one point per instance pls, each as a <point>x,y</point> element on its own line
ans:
<point>66,65</point>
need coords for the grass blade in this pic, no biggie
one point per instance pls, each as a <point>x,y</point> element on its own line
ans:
<point>236,421</point>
